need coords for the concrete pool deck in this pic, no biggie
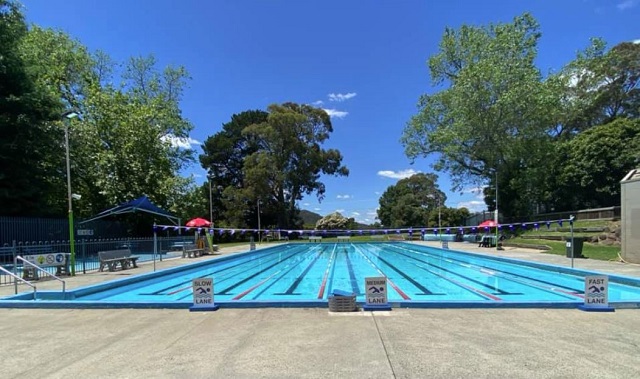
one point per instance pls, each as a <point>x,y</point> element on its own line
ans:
<point>312,343</point>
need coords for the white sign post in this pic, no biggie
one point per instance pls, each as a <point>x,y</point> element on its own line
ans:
<point>203,295</point>
<point>596,294</point>
<point>376,294</point>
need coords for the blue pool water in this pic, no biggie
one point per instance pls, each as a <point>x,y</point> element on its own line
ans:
<point>306,274</point>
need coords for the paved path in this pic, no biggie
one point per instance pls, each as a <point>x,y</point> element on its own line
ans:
<point>312,343</point>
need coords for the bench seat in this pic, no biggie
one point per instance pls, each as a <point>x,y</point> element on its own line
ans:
<point>114,258</point>
<point>192,251</point>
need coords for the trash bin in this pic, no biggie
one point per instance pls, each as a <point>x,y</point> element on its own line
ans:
<point>252,244</point>
<point>578,242</point>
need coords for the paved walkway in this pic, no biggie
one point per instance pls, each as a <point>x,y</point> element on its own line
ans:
<point>312,343</point>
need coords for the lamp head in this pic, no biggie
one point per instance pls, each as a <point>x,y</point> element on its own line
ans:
<point>70,114</point>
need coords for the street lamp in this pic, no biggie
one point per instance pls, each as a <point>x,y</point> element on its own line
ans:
<point>210,203</point>
<point>259,232</point>
<point>496,216</point>
<point>67,116</point>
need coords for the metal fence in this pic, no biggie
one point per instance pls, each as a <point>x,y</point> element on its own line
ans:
<point>86,252</point>
<point>608,213</point>
<point>52,229</point>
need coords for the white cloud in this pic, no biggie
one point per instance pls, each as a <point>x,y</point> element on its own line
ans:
<point>305,204</point>
<point>336,113</point>
<point>636,41</point>
<point>627,4</point>
<point>377,193</point>
<point>317,103</point>
<point>355,214</point>
<point>341,96</point>
<point>339,210</point>
<point>473,205</point>
<point>372,214</point>
<point>317,209</point>
<point>183,143</point>
<point>398,174</point>
<point>344,197</point>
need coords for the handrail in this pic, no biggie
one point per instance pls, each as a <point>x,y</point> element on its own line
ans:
<point>15,281</point>
<point>19,258</point>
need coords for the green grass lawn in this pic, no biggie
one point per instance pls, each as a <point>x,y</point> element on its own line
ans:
<point>589,250</point>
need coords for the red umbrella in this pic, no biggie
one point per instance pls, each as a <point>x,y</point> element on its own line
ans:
<point>488,224</point>
<point>198,222</point>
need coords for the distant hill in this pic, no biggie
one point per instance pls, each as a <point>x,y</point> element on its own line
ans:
<point>308,217</point>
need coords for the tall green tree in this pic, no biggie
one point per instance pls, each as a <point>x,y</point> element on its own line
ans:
<point>596,160</point>
<point>291,159</point>
<point>495,115</point>
<point>223,158</point>
<point>411,201</point>
<point>27,112</point>
<point>271,160</point>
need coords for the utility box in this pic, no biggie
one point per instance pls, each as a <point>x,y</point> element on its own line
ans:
<point>630,216</point>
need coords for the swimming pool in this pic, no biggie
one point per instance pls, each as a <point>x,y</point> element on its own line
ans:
<point>302,275</point>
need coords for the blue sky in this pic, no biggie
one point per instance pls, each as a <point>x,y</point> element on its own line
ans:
<point>363,61</point>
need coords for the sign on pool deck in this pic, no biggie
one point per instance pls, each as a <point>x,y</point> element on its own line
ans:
<point>376,294</point>
<point>203,295</point>
<point>54,259</point>
<point>596,293</point>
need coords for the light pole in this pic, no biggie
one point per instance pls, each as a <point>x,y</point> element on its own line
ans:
<point>496,217</point>
<point>210,203</point>
<point>67,116</point>
<point>259,232</point>
<point>439,220</point>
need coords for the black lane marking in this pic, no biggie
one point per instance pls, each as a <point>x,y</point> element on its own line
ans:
<point>296,283</point>
<point>268,259</point>
<point>226,290</point>
<point>425,290</point>
<point>352,275</point>
<point>486,285</point>
<point>556,285</point>
<point>257,257</point>
<point>275,281</point>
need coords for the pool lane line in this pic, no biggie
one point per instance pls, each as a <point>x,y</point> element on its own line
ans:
<point>293,264</point>
<point>486,285</point>
<point>279,278</point>
<point>298,280</point>
<point>425,290</point>
<point>295,252</point>
<point>246,292</point>
<point>246,279</point>
<point>520,279</point>
<point>477,291</point>
<point>326,274</point>
<point>352,275</point>
<point>183,282</point>
<point>391,283</point>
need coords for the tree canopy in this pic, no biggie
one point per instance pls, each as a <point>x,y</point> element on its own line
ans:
<point>275,158</point>
<point>499,122</point>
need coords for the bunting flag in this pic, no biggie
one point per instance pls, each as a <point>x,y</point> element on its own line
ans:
<point>410,230</point>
